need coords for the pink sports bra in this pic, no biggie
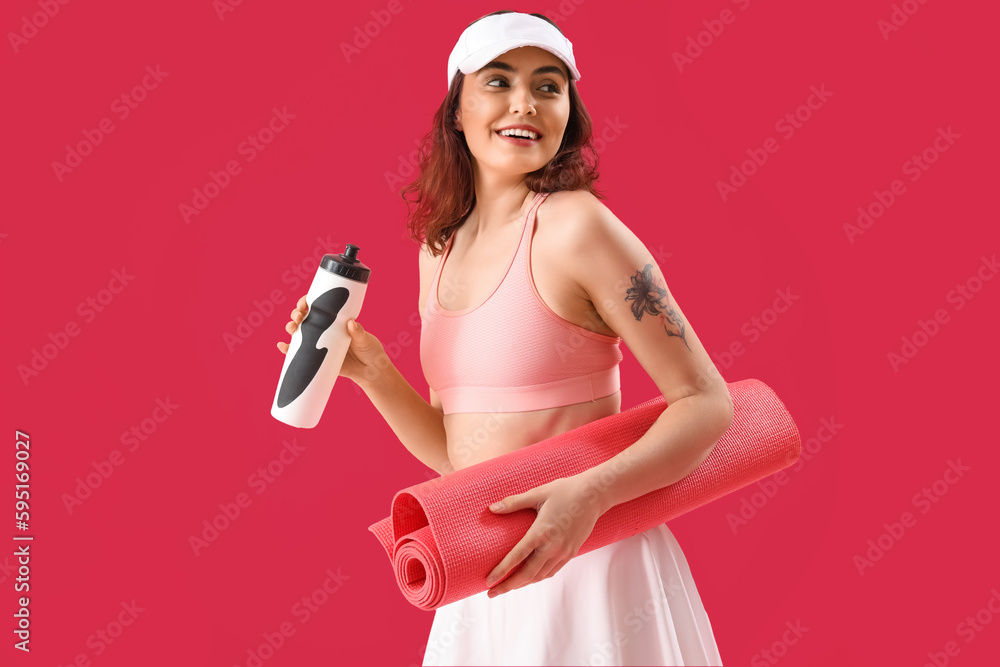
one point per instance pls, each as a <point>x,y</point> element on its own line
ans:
<point>512,353</point>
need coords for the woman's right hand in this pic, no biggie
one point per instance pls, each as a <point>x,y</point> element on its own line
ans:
<point>361,363</point>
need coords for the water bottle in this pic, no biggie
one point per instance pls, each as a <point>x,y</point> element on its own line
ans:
<point>319,346</point>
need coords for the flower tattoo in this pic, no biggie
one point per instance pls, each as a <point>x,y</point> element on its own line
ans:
<point>648,297</point>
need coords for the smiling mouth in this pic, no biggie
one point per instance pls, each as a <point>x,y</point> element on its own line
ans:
<point>518,139</point>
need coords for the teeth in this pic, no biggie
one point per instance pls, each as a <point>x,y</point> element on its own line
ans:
<point>519,133</point>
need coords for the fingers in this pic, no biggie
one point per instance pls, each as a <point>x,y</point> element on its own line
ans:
<point>296,317</point>
<point>550,569</point>
<point>535,562</point>
<point>522,550</point>
<point>300,309</point>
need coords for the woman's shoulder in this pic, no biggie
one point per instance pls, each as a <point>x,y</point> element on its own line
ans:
<point>573,199</point>
<point>427,260</point>
<point>578,211</point>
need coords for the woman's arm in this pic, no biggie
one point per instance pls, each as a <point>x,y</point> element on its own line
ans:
<point>419,425</point>
<point>628,291</point>
<point>678,441</point>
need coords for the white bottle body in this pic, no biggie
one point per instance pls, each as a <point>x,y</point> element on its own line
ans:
<point>312,392</point>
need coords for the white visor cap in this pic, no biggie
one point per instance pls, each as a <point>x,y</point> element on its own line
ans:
<point>487,38</point>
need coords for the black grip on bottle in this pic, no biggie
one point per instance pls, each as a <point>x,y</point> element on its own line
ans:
<point>323,312</point>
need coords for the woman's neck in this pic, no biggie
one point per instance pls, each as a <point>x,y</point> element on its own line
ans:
<point>497,209</point>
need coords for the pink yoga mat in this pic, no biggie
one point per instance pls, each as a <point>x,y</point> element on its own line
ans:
<point>443,540</point>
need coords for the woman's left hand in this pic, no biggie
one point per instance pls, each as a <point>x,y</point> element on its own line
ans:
<point>566,518</point>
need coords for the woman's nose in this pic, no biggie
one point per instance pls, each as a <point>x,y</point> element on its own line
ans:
<point>523,103</point>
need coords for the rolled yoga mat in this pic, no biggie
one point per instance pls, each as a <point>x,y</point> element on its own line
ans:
<point>443,540</point>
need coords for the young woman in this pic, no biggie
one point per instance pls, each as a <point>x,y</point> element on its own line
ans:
<point>527,286</point>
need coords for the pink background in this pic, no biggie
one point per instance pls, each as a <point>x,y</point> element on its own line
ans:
<point>672,134</point>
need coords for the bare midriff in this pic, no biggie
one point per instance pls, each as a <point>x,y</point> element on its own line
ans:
<point>474,437</point>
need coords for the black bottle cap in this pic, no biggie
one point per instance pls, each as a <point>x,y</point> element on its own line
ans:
<point>346,264</point>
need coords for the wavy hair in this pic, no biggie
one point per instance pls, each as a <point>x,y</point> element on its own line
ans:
<point>444,186</point>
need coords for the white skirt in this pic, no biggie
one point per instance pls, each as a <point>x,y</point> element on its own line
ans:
<point>633,602</point>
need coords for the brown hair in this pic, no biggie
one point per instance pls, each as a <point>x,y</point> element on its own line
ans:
<point>444,185</point>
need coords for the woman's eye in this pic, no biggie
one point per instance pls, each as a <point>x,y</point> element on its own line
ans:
<point>555,88</point>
